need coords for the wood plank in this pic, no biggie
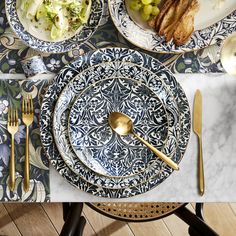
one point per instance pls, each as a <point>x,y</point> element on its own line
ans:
<point>105,226</point>
<point>172,221</point>
<point>233,207</point>
<point>153,228</point>
<point>30,219</point>
<point>88,229</point>
<point>7,227</point>
<point>176,226</point>
<point>221,218</point>
<point>55,214</point>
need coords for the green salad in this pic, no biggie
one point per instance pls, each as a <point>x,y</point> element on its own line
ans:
<point>57,16</point>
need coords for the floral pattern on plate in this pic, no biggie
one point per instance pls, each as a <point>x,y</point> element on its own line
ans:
<point>94,141</point>
<point>69,72</point>
<point>90,76</point>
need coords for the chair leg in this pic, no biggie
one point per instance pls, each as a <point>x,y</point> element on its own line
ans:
<point>66,209</point>
<point>197,227</point>
<point>199,210</point>
<point>74,222</point>
<point>80,227</point>
<point>192,232</point>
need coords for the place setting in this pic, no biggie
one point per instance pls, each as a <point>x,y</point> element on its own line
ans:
<point>81,144</point>
<point>114,122</point>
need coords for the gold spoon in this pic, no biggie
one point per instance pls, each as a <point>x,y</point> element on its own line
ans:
<point>123,125</point>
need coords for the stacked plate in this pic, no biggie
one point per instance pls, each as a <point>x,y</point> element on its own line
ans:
<point>74,122</point>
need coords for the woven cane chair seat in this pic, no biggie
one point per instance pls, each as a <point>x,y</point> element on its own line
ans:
<point>136,211</point>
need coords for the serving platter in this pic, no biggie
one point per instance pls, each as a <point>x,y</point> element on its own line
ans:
<point>90,76</point>
<point>69,72</point>
<point>210,28</point>
<point>33,38</point>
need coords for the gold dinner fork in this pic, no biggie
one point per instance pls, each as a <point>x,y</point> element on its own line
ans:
<point>27,118</point>
<point>12,127</point>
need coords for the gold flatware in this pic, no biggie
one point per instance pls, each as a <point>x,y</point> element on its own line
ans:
<point>12,127</point>
<point>123,125</point>
<point>197,128</point>
<point>27,118</point>
<point>228,54</point>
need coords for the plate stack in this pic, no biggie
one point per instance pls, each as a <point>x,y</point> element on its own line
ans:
<point>76,135</point>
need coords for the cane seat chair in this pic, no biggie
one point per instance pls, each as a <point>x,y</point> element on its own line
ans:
<point>136,212</point>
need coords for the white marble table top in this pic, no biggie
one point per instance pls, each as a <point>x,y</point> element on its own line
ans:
<point>219,151</point>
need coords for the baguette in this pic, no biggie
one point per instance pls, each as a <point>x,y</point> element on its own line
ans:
<point>179,11</point>
<point>168,18</point>
<point>162,13</point>
<point>185,26</point>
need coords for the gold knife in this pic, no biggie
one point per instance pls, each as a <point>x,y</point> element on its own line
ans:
<point>197,128</point>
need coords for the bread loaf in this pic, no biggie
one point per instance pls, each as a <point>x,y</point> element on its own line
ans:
<point>185,27</point>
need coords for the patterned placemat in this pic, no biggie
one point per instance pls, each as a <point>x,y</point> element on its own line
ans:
<point>11,92</point>
<point>12,50</point>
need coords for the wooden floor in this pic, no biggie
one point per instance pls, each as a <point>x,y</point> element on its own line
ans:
<point>46,220</point>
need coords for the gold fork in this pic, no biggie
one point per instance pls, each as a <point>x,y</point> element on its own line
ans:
<point>12,127</point>
<point>27,118</point>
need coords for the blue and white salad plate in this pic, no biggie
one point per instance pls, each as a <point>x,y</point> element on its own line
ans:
<point>36,39</point>
<point>90,76</point>
<point>212,25</point>
<point>71,71</point>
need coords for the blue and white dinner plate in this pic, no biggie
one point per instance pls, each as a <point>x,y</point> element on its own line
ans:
<point>90,76</point>
<point>32,39</point>
<point>97,145</point>
<point>68,73</point>
<point>211,32</point>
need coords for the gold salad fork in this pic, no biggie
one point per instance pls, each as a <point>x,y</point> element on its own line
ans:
<point>12,127</point>
<point>27,118</point>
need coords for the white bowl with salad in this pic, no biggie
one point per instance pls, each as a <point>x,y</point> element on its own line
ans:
<point>54,26</point>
